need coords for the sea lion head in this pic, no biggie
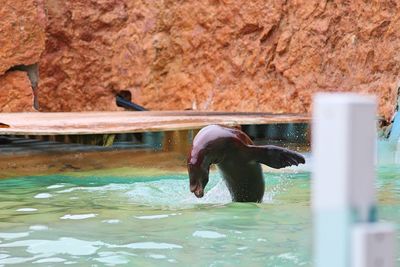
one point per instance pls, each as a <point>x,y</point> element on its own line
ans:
<point>198,177</point>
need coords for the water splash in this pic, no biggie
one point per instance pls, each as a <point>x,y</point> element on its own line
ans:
<point>175,193</point>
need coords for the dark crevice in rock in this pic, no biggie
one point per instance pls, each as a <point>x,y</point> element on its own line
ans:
<point>31,70</point>
<point>380,30</point>
<point>33,75</point>
<point>250,28</point>
<point>268,34</point>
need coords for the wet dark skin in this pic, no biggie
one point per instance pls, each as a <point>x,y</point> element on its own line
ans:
<point>238,159</point>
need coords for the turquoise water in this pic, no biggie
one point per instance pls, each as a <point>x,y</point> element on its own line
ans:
<point>139,220</point>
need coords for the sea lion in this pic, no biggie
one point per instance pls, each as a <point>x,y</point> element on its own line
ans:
<point>238,160</point>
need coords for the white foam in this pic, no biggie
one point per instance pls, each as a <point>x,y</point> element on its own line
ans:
<point>152,217</point>
<point>148,245</point>
<point>109,187</point>
<point>112,260</point>
<point>78,216</point>
<point>208,234</point>
<point>69,190</point>
<point>112,221</point>
<point>64,245</point>
<point>55,186</point>
<point>16,260</point>
<point>43,195</point>
<point>27,209</point>
<point>175,192</point>
<point>38,227</point>
<point>50,260</point>
<point>291,257</point>
<point>157,256</point>
<point>8,236</point>
<point>219,194</point>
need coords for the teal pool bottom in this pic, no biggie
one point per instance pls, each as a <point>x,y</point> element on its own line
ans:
<point>153,220</point>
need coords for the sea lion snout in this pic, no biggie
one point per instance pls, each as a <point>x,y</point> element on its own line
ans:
<point>198,178</point>
<point>197,190</point>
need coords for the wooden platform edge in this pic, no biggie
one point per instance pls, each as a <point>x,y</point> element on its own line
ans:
<point>81,123</point>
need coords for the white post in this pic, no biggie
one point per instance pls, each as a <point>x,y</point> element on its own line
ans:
<point>343,192</point>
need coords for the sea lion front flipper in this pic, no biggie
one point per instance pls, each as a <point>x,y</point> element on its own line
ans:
<point>275,157</point>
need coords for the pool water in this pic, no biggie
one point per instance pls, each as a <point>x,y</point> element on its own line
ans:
<point>136,219</point>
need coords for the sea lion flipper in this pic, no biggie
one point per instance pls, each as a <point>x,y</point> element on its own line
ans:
<point>275,157</point>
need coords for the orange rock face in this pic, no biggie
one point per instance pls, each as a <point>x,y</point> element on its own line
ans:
<point>22,35</point>
<point>22,40</point>
<point>16,92</point>
<point>76,69</point>
<point>222,55</point>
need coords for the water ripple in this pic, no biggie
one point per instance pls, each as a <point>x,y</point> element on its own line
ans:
<point>78,216</point>
<point>208,234</point>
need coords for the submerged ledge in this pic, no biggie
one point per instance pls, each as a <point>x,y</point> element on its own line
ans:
<point>117,163</point>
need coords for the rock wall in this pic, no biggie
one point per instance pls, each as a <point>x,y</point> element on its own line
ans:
<point>22,41</point>
<point>235,55</point>
<point>16,92</point>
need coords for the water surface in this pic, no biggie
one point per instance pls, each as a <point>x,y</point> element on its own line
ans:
<point>133,218</point>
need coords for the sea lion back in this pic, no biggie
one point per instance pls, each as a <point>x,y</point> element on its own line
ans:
<point>210,138</point>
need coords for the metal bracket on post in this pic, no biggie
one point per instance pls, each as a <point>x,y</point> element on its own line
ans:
<point>373,245</point>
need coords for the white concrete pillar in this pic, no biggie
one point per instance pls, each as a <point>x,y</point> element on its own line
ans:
<point>343,146</point>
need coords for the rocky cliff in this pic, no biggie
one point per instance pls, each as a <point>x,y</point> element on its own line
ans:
<point>210,54</point>
<point>22,41</point>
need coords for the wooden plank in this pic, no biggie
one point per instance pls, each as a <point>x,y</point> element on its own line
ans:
<point>74,123</point>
